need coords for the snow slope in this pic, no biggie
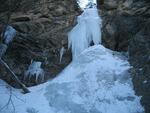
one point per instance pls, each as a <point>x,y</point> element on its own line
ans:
<point>98,81</point>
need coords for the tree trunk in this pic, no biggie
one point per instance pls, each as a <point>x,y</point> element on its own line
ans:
<point>24,88</point>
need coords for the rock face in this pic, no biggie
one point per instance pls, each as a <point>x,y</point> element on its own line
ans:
<point>126,26</point>
<point>139,50</point>
<point>42,27</point>
<point>121,22</point>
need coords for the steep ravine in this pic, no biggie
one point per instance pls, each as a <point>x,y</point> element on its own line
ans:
<point>43,29</point>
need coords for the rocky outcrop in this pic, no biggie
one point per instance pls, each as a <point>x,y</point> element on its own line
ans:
<point>42,27</point>
<point>139,51</point>
<point>121,22</point>
<point>126,27</point>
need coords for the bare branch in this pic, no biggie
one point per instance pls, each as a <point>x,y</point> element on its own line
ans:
<point>25,89</point>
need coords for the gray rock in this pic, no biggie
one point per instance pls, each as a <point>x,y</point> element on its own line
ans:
<point>3,48</point>
<point>126,27</point>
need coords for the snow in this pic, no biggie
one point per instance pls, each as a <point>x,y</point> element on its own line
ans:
<point>22,103</point>
<point>97,82</point>
<point>86,31</point>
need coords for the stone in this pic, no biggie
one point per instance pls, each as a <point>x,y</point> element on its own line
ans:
<point>3,48</point>
<point>20,18</point>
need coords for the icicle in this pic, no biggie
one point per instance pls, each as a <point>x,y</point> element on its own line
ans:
<point>9,34</point>
<point>34,69</point>
<point>62,50</point>
<point>87,30</point>
<point>93,25</point>
<point>77,43</point>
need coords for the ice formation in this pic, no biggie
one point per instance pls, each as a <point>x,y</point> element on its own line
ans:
<point>9,34</point>
<point>34,70</point>
<point>86,31</point>
<point>62,50</point>
<point>97,82</point>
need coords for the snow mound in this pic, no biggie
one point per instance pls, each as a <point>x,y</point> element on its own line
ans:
<point>97,82</point>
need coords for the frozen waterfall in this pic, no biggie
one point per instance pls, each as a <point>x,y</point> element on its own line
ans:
<point>96,81</point>
<point>87,30</point>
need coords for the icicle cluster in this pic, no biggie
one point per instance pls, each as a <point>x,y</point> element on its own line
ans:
<point>86,31</point>
<point>34,70</point>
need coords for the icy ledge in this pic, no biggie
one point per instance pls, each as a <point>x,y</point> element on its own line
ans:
<point>97,82</point>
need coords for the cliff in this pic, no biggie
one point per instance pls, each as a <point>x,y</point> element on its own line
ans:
<point>126,27</point>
